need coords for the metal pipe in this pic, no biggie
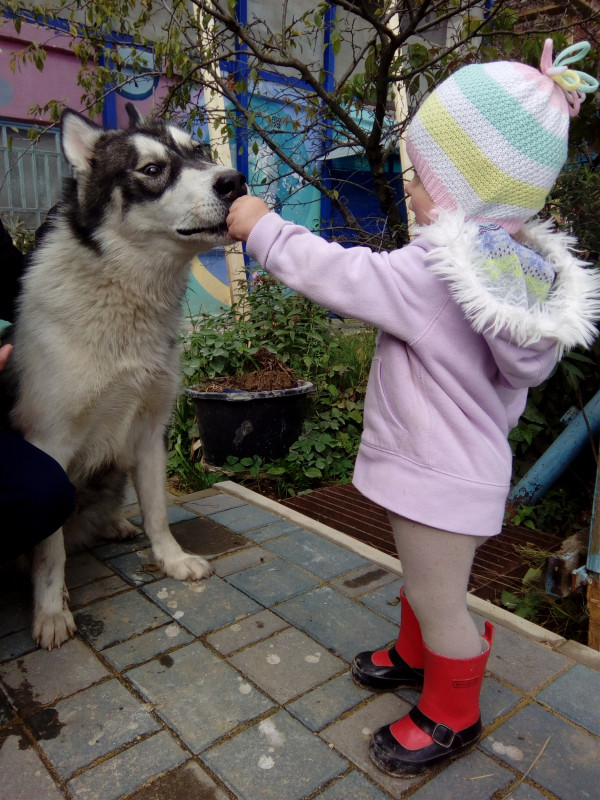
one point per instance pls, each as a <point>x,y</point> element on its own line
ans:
<point>593,554</point>
<point>550,466</point>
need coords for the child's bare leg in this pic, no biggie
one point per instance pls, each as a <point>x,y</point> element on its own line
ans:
<point>436,566</point>
<point>446,722</point>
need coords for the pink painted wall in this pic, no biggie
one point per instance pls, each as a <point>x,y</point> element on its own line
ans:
<point>28,86</point>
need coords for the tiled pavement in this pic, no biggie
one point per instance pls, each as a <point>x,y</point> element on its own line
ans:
<point>238,686</point>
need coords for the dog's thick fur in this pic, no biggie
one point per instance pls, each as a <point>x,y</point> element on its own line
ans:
<point>96,355</point>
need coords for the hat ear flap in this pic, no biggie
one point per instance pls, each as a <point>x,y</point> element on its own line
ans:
<point>78,139</point>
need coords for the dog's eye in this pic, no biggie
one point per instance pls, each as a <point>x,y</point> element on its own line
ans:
<point>151,170</point>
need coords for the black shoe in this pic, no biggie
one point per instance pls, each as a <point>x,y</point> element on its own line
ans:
<point>398,676</point>
<point>391,757</point>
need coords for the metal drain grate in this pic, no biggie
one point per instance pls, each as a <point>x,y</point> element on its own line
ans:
<point>498,564</point>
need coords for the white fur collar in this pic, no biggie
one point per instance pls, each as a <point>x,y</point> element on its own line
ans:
<point>568,315</point>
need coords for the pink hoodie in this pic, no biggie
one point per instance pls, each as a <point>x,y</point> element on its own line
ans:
<point>453,361</point>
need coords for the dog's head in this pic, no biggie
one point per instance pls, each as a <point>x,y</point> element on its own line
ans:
<point>146,185</point>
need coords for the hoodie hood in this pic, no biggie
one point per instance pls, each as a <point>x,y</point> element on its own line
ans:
<point>522,291</point>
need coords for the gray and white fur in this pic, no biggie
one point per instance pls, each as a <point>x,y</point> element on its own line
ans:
<point>96,354</point>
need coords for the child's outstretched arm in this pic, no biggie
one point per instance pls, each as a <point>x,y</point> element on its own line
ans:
<point>243,216</point>
<point>382,289</point>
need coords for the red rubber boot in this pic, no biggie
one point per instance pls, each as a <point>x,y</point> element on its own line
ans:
<point>399,667</point>
<point>445,722</point>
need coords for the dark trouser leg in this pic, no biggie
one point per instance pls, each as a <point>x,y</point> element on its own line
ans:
<point>36,496</point>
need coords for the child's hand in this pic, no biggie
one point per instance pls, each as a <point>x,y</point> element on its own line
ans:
<point>243,216</point>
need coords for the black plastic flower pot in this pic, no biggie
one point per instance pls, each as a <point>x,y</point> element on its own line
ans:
<point>245,424</point>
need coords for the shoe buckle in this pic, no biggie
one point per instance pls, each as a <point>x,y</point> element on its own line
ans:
<point>442,735</point>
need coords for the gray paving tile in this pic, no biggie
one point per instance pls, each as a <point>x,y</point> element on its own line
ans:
<point>260,763</point>
<point>16,644</point>
<point>315,554</point>
<point>201,606</point>
<point>214,504</point>
<point>576,695</point>
<point>198,695</point>
<point>124,772</point>
<point>91,724</point>
<point>273,581</point>
<point>106,587</point>
<point>106,742</point>
<point>326,703</point>
<point>117,618</point>
<point>410,695</point>
<point>353,786</point>
<point>118,547</point>
<point>241,559</point>
<point>287,665</point>
<point>175,514</point>
<point>567,758</point>
<point>243,519</point>
<point>338,623</point>
<point>43,677</point>
<point>24,775</point>
<point>362,581</point>
<point>137,567</point>
<point>204,537</point>
<point>351,737</point>
<point>385,601</point>
<point>148,645</point>
<point>82,568</point>
<point>247,631</point>
<point>526,792</point>
<point>15,612</point>
<point>523,663</point>
<point>274,530</point>
<point>473,776</point>
<point>187,782</point>
<point>496,700</point>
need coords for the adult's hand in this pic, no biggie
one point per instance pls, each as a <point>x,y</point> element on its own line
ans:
<point>5,352</point>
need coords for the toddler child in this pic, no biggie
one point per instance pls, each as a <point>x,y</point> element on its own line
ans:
<point>477,308</point>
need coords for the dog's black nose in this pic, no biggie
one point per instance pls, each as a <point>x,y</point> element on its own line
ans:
<point>231,184</point>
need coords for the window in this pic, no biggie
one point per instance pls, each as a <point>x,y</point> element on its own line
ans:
<point>31,174</point>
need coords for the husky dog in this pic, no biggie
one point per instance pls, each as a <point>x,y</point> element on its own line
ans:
<point>96,355</point>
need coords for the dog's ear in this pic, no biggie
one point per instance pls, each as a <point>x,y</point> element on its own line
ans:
<point>135,118</point>
<point>78,137</point>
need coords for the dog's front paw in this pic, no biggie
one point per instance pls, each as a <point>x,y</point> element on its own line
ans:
<point>187,568</point>
<point>52,630</point>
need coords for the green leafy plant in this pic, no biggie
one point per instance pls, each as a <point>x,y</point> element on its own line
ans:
<point>312,343</point>
<point>22,236</point>
<point>523,516</point>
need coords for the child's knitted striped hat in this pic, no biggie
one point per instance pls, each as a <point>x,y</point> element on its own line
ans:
<point>491,139</point>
